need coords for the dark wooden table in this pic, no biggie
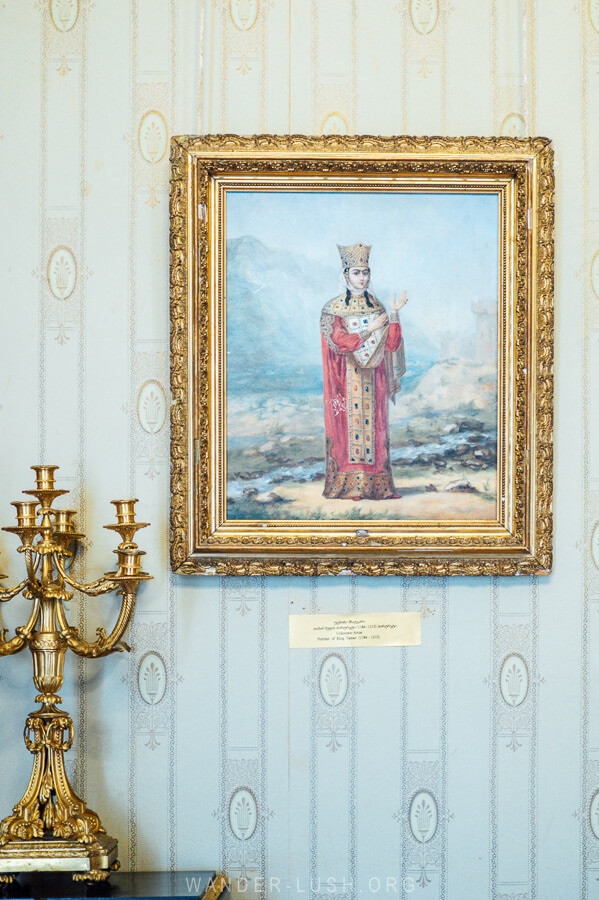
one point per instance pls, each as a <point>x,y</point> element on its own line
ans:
<point>191,885</point>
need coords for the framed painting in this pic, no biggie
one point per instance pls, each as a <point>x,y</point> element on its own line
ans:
<point>361,355</point>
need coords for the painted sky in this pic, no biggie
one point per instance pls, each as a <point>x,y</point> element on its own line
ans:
<point>441,248</point>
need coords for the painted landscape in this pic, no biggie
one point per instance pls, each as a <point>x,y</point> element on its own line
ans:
<point>443,426</point>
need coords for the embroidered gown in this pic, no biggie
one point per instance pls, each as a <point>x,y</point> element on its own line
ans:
<point>356,374</point>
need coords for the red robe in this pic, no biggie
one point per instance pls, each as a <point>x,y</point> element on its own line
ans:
<point>355,404</point>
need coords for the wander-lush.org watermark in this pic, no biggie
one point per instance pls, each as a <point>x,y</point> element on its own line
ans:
<point>389,885</point>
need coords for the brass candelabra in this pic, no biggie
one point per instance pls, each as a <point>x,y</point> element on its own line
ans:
<point>51,828</point>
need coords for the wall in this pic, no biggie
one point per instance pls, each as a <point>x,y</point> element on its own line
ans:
<point>90,93</point>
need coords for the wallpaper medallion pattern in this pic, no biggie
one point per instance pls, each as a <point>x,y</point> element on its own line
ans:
<point>467,767</point>
<point>151,407</point>
<point>514,67</point>
<point>423,814</point>
<point>514,686</point>
<point>334,681</point>
<point>153,677</point>
<point>243,810</point>
<point>150,712</point>
<point>62,269</point>
<point>424,41</point>
<point>586,812</point>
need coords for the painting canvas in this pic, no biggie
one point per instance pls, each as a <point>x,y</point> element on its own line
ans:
<point>283,265</point>
<point>361,355</point>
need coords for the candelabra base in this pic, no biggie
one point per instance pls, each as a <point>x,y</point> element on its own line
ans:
<point>88,862</point>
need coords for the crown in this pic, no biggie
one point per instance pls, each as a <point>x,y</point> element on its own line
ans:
<point>354,255</point>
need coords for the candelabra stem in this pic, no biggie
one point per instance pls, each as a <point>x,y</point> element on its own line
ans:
<point>49,803</point>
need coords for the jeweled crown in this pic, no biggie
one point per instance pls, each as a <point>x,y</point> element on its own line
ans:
<point>354,255</point>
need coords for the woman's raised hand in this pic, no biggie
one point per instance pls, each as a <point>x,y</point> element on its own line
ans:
<point>398,302</point>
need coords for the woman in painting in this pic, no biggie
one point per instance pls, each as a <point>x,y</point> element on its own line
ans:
<point>362,354</point>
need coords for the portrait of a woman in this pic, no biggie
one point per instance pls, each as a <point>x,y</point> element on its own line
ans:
<point>363,360</point>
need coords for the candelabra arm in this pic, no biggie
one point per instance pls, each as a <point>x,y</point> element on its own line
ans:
<point>93,589</point>
<point>32,567</point>
<point>23,633</point>
<point>104,644</point>
<point>9,593</point>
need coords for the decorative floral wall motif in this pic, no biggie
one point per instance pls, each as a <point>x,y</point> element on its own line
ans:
<point>243,822</point>
<point>513,685</point>
<point>150,711</point>
<point>244,13</point>
<point>333,685</point>
<point>424,818</point>
<point>151,411</point>
<point>503,691</point>
<point>424,15</point>
<point>64,14</point>
<point>153,144</point>
<point>243,814</point>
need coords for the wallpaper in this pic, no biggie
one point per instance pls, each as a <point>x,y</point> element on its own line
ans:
<point>467,767</point>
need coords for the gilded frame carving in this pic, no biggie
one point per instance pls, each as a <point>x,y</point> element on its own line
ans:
<point>517,539</point>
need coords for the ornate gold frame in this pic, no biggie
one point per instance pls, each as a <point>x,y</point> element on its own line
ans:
<point>203,541</point>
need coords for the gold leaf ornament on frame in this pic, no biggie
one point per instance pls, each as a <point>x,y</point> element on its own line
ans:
<point>244,13</point>
<point>424,15</point>
<point>64,14</point>
<point>62,273</point>
<point>206,538</point>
